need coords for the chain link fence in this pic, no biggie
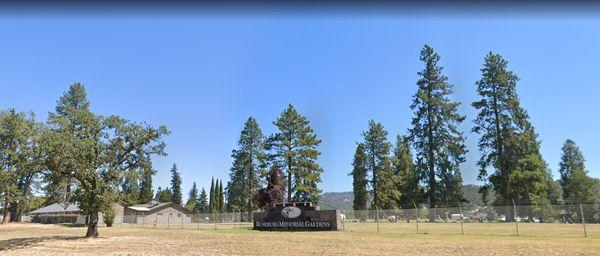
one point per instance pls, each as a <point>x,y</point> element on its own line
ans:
<point>576,220</point>
<point>580,220</point>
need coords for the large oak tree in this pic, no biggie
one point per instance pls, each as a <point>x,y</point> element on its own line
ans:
<point>90,153</point>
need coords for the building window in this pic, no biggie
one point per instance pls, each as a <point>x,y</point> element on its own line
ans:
<point>159,214</point>
<point>179,215</point>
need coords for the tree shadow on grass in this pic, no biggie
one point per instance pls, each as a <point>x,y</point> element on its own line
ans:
<point>18,243</point>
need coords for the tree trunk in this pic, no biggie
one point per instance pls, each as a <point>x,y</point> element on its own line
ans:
<point>92,230</point>
<point>289,181</point>
<point>17,208</point>
<point>375,181</point>
<point>15,212</point>
<point>431,163</point>
<point>502,159</point>
<point>5,211</point>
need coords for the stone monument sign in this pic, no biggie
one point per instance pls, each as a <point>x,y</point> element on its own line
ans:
<point>302,216</point>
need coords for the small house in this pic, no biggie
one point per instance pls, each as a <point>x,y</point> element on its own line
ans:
<point>70,213</point>
<point>156,213</point>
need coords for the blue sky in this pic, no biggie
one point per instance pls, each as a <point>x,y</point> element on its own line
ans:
<point>204,76</point>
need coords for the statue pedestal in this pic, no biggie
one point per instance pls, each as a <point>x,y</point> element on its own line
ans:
<point>297,217</point>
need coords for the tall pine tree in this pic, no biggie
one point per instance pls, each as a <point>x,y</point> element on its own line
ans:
<point>510,162</point>
<point>438,143</point>
<point>177,196</point>
<point>294,148</point>
<point>359,176</point>
<point>248,168</point>
<point>377,149</point>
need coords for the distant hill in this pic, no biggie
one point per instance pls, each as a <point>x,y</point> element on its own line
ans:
<point>343,200</point>
<point>336,200</point>
<point>471,193</point>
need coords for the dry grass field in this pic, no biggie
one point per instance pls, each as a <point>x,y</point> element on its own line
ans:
<point>36,239</point>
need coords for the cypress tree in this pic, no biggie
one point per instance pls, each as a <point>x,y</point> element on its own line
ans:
<point>176,186</point>
<point>359,176</point>
<point>438,143</point>
<point>223,206</point>
<point>212,205</point>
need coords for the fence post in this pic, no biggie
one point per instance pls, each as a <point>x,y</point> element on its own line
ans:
<point>377,212</point>
<point>515,216</point>
<point>155,220</point>
<point>417,217</point>
<point>182,216</point>
<point>583,220</point>
<point>344,222</point>
<point>462,230</point>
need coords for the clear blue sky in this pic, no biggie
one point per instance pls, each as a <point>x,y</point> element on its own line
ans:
<point>204,76</point>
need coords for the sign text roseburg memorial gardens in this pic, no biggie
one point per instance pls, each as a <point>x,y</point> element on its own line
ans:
<point>296,217</point>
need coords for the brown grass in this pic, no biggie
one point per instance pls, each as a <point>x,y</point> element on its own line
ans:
<point>36,239</point>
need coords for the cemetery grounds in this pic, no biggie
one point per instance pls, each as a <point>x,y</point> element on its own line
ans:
<point>357,238</point>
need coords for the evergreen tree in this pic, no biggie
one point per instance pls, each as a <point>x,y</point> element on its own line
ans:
<point>158,192</point>
<point>248,168</point>
<point>294,148</point>
<point>577,186</point>
<point>165,195</point>
<point>222,205</point>
<point>359,175</point>
<point>237,189</point>
<point>21,162</point>
<point>190,205</point>
<point>407,177</point>
<point>202,204</point>
<point>212,203</point>
<point>438,143</point>
<point>510,162</point>
<point>377,150</point>
<point>130,190</point>
<point>176,186</point>
<point>146,192</point>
